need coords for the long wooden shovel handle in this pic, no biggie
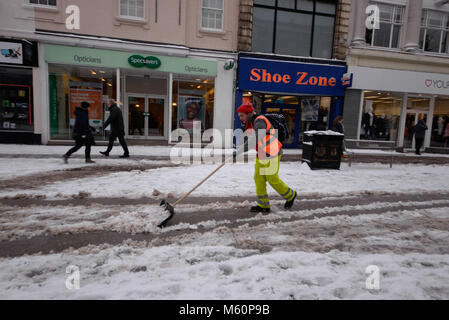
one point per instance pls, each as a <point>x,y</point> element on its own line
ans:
<point>199,184</point>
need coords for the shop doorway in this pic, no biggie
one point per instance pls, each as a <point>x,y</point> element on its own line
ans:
<point>417,109</point>
<point>293,121</point>
<point>146,116</point>
<point>411,119</point>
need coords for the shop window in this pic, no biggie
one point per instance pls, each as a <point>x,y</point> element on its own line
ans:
<point>391,22</point>
<point>440,123</point>
<point>16,99</point>
<point>315,113</point>
<point>301,27</point>
<point>434,32</point>
<point>69,86</point>
<point>193,103</point>
<point>47,3</point>
<point>132,9</point>
<point>212,15</point>
<point>381,114</point>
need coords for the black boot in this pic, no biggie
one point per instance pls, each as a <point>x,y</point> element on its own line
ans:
<point>289,204</point>
<point>105,153</point>
<point>66,158</point>
<point>260,209</point>
<point>125,156</point>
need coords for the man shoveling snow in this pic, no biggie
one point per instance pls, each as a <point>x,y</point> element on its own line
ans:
<point>263,135</point>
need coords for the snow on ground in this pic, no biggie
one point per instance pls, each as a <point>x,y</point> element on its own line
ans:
<point>237,179</point>
<point>14,167</point>
<point>17,223</point>
<point>17,149</point>
<point>217,272</point>
<point>325,257</point>
<point>218,265</point>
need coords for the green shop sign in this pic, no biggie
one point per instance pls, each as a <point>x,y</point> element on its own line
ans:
<point>126,60</point>
<point>149,62</point>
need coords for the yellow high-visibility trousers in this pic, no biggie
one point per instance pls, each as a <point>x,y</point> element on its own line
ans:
<point>268,171</point>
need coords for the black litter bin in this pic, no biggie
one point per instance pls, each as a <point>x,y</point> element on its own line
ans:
<point>322,149</point>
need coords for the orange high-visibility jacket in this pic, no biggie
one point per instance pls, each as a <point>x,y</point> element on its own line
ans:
<point>270,144</point>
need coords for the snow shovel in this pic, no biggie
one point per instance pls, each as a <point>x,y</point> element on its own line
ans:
<point>171,207</point>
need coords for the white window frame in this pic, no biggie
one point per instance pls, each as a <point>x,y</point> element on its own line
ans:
<point>128,16</point>
<point>443,28</point>
<point>392,22</point>
<point>43,5</point>
<point>212,9</point>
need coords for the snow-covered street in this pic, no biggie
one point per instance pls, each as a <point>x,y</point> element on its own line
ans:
<point>102,218</point>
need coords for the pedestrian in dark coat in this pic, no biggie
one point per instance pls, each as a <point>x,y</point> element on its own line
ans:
<point>338,127</point>
<point>82,132</point>
<point>117,129</point>
<point>420,133</point>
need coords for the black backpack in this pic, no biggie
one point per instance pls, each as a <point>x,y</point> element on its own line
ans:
<point>280,124</point>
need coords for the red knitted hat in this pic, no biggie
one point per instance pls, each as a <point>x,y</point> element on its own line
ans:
<point>246,108</point>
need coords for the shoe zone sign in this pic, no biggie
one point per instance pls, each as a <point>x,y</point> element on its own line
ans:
<point>291,77</point>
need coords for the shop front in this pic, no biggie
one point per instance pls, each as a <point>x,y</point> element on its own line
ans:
<point>17,59</point>
<point>309,95</point>
<point>157,94</point>
<point>389,103</point>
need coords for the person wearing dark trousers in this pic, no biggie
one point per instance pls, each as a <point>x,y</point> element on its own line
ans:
<point>338,127</point>
<point>117,129</point>
<point>420,133</point>
<point>82,133</point>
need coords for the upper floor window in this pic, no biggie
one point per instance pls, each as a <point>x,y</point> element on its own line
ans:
<point>212,14</point>
<point>294,27</point>
<point>49,3</point>
<point>132,9</point>
<point>434,32</point>
<point>388,34</point>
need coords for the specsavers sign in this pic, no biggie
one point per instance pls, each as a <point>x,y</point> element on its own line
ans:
<point>127,60</point>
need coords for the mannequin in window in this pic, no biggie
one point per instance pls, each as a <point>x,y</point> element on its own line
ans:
<point>440,128</point>
<point>368,121</point>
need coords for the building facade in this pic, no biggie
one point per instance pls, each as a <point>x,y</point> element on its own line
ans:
<point>400,67</point>
<point>292,61</point>
<point>166,63</point>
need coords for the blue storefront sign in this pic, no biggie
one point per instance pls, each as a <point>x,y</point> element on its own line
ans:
<point>309,82</point>
<point>290,77</point>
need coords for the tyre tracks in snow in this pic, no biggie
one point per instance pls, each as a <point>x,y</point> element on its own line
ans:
<point>199,215</point>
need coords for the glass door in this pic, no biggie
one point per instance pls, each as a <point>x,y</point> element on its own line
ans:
<point>155,116</point>
<point>146,116</point>
<point>411,120</point>
<point>136,111</point>
<point>417,109</point>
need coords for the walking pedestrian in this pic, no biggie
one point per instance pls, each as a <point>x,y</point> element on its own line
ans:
<point>338,127</point>
<point>262,134</point>
<point>420,133</point>
<point>117,129</point>
<point>82,133</point>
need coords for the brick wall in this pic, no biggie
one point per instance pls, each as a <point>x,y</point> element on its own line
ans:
<point>245,25</point>
<point>341,29</point>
